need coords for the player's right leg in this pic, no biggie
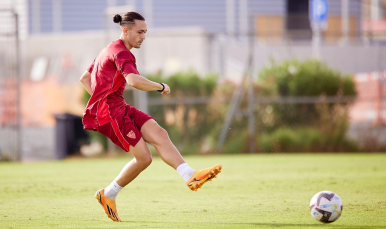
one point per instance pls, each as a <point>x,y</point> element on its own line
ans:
<point>142,159</point>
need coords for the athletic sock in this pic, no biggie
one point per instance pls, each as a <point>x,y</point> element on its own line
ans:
<point>185,171</point>
<point>112,190</point>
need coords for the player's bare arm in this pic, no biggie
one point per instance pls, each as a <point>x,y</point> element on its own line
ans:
<point>141,83</point>
<point>86,81</point>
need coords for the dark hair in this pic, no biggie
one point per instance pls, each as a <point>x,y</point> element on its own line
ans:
<point>128,18</point>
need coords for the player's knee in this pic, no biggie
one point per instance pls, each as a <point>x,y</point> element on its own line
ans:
<point>145,161</point>
<point>148,160</point>
<point>162,134</point>
<point>158,136</point>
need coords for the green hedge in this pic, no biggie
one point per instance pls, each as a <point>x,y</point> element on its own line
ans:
<point>195,128</point>
<point>306,139</point>
<point>188,125</point>
<point>296,78</point>
<point>297,127</point>
<point>309,78</point>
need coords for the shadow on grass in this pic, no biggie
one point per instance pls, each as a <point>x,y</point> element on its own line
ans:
<point>254,225</point>
<point>308,225</point>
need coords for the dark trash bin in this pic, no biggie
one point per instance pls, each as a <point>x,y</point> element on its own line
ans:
<point>69,135</point>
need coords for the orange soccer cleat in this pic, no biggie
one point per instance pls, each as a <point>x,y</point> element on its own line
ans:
<point>108,205</point>
<point>202,176</point>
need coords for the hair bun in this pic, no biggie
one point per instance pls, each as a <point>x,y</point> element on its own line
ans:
<point>117,18</point>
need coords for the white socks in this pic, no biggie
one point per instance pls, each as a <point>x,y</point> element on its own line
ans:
<point>112,190</point>
<point>185,171</point>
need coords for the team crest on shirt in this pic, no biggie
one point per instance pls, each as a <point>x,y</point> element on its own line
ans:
<point>131,134</point>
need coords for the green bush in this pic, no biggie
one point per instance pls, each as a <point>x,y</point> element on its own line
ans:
<point>329,121</point>
<point>308,78</point>
<point>297,127</point>
<point>303,140</point>
<point>294,127</point>
<point>188,125</point>
<point>290,140</point>
<point>236,144</point>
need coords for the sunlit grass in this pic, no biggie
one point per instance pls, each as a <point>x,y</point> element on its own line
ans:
<point>253,191</point>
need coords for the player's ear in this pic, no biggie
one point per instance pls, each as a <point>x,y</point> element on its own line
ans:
<point>124,30</point>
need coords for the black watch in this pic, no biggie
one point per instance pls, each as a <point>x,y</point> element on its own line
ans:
<point>163,87</point>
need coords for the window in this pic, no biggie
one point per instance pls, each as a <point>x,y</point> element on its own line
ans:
<point>298,23</point>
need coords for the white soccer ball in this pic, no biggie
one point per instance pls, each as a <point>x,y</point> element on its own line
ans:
<point>326,206</point>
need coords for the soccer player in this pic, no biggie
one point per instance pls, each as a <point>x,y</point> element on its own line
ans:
<point>126,126</point>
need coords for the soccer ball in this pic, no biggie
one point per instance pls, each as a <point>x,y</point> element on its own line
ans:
<point>326,206</point>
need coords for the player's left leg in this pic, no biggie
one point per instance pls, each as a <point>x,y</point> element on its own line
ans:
<point>155,135</point>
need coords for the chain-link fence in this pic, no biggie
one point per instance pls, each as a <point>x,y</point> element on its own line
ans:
<point>334,118</point>
<point>10,142</point>
<point>318,117</point>
<point>241,37</point>
<point>255,122</point>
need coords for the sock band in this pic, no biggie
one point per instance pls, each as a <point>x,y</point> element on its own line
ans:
<point>185,171</point>
<point>112,190</point>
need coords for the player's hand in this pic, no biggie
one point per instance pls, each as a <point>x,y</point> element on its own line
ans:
<point>166,90</point>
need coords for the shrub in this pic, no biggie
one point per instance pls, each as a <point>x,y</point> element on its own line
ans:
<point>295,78</point>
<point>307,139</point>
<point>310,78</point>
<point>291,140</point>
<point>187,124</point>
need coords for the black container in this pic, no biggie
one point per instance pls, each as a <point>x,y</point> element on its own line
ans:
<point>69,134</point>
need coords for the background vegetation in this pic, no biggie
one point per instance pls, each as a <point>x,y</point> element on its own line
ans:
<point>281,127</point>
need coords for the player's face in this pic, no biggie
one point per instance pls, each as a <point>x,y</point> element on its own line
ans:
<point>136,35</point>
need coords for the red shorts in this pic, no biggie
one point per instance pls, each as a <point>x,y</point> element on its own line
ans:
<point>126,129</point>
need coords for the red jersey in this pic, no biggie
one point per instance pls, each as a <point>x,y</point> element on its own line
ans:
<point>108,82</point>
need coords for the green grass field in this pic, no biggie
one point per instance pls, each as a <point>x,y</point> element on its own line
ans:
<point>253,191</point>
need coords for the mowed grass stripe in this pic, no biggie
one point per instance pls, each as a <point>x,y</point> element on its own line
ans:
<point>253,191</point>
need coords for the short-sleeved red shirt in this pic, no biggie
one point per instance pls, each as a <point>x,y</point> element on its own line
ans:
<point>108,82</point>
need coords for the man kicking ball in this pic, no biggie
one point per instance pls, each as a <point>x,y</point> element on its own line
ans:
<point>126,126</point>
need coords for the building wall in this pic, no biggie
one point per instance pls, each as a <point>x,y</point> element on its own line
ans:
<point>169,50</point>
<point>275,7</point>
<point>211,15</point>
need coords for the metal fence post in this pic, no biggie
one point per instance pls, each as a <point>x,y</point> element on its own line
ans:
<point>18,75</point>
